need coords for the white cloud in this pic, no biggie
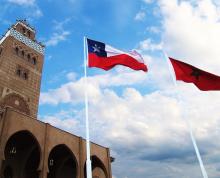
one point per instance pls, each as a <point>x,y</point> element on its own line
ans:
<point>57,37</point>
<point>153,124</point>
<point>23,2</point>
<point>140,16</point>
<point>67,120</point>
<point>192,33</point>
<point>146,130</point>
<point>60,33</point>
<point>148,45</point>
<point>73,92</point>
<point>139,119</point>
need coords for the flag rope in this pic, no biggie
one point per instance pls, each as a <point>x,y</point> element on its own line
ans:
<point>203,170</point>
<point>88,160</point>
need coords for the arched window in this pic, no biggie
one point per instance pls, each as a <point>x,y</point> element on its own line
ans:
<point>25,75</point>
<point>34,60</point>
<point>24,31</point>
<point>18,72</point>
<point>22,72</point>
<point>29,57</point>
<point>22,53</point>
<point>17,50</point>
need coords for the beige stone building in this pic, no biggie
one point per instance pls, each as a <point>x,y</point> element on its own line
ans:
<point>30,148</point>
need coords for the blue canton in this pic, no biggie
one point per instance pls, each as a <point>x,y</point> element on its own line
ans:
<point>96,47</point>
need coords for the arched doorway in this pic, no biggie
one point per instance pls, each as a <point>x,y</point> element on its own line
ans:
<point>8,172</point>
<point>22,156</point>
<point>98,168</point>
<point>62,163</point>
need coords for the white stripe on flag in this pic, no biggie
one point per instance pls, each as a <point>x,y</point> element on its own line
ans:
<point>111,51</point>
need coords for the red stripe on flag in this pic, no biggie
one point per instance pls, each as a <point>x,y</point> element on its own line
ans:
<point>107,63</point>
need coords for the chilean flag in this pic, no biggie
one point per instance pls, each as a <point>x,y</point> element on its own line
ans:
<point>106,57</point>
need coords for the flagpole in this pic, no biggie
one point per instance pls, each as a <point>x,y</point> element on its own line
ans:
<point>203,170</point>
<point>88,160</point>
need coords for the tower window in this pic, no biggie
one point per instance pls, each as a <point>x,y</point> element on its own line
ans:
<point>24,31</point>
<point>22,53</point>
<point>22,72</point>
<point>16,50</point>
<point>28,56</point>
<point>34,60</point>
<point>18,72</point>
<point>1,50</point>
<point>25,75</point>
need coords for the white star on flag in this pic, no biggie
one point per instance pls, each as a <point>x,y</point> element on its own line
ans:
<point>96,48</point>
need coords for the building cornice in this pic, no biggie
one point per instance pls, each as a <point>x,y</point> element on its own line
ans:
<point>17,35</point>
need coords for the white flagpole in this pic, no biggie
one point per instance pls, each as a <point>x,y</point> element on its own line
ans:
<point>88,161</point>
<point>203,170</point>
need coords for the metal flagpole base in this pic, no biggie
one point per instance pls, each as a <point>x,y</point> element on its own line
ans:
<point>88,169</point>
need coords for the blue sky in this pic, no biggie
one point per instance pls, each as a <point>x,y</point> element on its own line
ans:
<point>140,116</point>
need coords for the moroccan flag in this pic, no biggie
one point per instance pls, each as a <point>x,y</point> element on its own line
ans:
<point>203,80</point>
<point>106,57</point>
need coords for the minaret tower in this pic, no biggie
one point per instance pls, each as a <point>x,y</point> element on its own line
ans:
<point>21,62</point>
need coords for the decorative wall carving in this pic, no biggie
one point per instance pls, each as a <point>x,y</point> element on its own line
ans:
<point>27,41</point>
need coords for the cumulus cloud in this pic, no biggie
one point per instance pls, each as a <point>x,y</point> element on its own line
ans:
<point>131,122</point>
<point>143,116</point>
<point>192,33</point>
<point>147,129</point>
<point>70,120</point>
<point>73,92</point>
